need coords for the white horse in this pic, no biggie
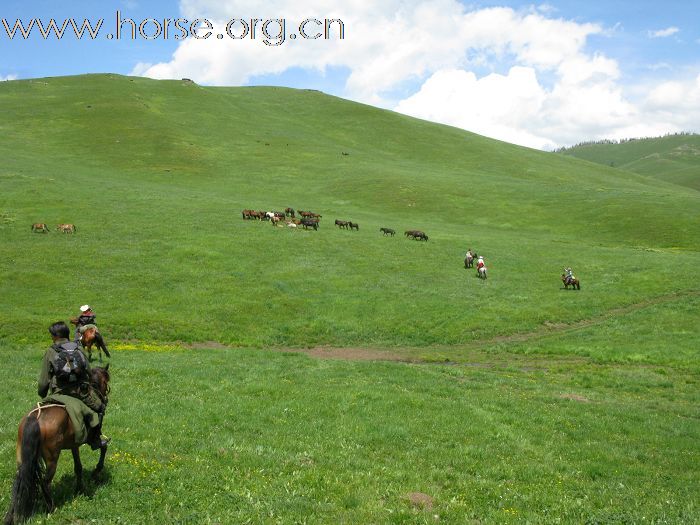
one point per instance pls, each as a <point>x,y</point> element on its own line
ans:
<point>468,260</point>
<point>481,272</point>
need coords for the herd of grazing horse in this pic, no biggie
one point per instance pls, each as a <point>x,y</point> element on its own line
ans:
<point>308,220</point>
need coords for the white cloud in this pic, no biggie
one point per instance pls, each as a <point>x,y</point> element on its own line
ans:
<point>663,33</point>
<point>8,77</point>
<point>386,43</point>
<point>496,105</point>
<point>441,44</point>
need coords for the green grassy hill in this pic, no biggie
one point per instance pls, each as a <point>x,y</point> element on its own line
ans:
<point>556,407</point>
<point>673,158</point>
<point>156,173</point>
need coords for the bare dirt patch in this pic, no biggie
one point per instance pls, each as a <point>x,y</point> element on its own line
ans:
<point>207,345</point>
<point>419,500</point>
<point>575,397</point>
<point>349,354</point>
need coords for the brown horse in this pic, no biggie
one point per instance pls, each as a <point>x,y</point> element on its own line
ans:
<point>92,337</point>
<point>573,283</point>
<point>40,227</point>
<point>42,434</point>
<point>66,228</point>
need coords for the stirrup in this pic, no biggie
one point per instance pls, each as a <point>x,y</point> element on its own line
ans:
<point>103,442</point>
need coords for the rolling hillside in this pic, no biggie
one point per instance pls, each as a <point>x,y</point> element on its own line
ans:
<point>673,158</point>
<point>156,173</point>
<point>557,406</point>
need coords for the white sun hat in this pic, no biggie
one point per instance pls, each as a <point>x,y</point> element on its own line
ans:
<point>85,308</point>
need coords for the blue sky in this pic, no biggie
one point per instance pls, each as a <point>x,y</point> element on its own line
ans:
<point>641,79</point>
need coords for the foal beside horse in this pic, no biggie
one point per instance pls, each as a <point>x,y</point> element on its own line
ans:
<point>42,434</point>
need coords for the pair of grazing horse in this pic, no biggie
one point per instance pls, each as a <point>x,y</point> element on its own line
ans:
<point>40,227</point>
<point>309,215</point>
<point>43,434</point>
<point>348,225</point>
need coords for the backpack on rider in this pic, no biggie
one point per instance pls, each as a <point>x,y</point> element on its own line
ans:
<point>70,365</point>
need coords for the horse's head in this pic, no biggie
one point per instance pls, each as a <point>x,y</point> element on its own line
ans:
<point>100,379</point>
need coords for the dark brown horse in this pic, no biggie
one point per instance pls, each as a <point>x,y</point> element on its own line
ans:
<point>92,337</point>
<point>42,434</point>
<point>309,223</point>
<point>573,282</point>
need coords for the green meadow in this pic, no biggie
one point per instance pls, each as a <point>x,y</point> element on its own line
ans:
<point>509,400</point>
<point>673,158</point>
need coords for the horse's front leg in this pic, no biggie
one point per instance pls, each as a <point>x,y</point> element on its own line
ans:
<point>100,463</point>
<point>78,469</point>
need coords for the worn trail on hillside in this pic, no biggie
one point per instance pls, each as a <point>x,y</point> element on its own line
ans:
<point>548,329</point>
<point>555,328</point>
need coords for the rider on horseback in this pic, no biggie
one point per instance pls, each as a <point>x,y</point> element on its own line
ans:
<point>76,383</point>
<point>83,322</point>
<point>569,275</point>
<point>480,263</point>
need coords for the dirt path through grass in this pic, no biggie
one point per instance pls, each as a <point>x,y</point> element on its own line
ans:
<point>547,329</point>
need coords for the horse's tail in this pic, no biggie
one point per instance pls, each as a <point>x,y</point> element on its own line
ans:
<point>101,343</point>
<point>29,473</point>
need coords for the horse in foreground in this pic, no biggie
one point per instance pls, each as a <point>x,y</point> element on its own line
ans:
<point>573,283</point>
<point>481,272</point>
<point>42,434</point>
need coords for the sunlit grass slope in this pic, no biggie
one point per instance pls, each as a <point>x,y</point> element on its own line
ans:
<point>673,158</point>
<point>155,174</point>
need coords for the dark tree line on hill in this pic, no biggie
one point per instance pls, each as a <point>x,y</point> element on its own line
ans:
<point>564,149</point>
